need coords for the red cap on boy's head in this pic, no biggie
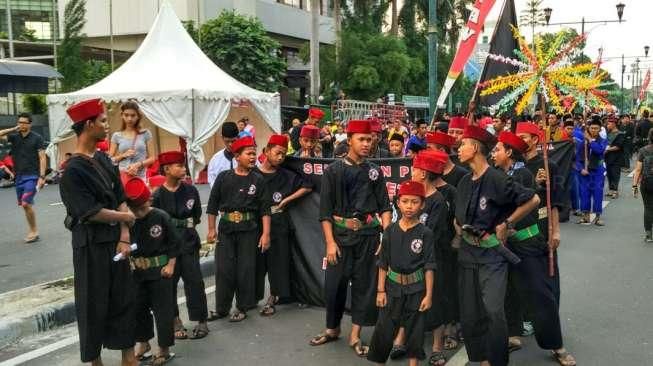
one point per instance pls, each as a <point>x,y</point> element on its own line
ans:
<point>440,138</point>
<point>83,111</point>
<point>242,143</point>
<point>172,157</point>
<point>281,140</point>
<point>136,191</point>
<point>310,131</point>
<point>458,122</point>
<point>316,113</point>
<point>478,134</point>
<point>411,188</point>
<point>513,141</point>
<point>359,126</point>
<point>430,160</point>
<point>528,127</point>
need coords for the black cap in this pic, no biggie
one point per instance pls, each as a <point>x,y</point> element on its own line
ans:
<point>229,130</point>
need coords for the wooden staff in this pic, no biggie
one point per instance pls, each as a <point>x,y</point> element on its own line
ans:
<point>545,157</point>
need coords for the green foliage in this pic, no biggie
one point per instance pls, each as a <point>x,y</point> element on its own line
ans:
<point>70,63</point>
<point>94,71</point>
<point>533,14</point>
<point>34,103</point>
<point>192,30</point>
<point>241,47</point>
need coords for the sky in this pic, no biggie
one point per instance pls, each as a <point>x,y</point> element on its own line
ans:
<point>628,38</point>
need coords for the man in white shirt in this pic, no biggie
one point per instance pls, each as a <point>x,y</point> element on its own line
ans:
<point>223,159</point>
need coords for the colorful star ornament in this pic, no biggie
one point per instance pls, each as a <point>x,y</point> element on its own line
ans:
<point>544,71</point>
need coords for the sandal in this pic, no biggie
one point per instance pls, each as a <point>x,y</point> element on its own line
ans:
<point>200,331</point>
<point>437,359</point>
<point>323,338</point>
<point>145,355</point>
<point>360,348</point>
<point>598,221</point>
<point>398,352</point>
<point>181,332</point>
<point>450,342</point>
<point>159,360</point>
<point>268,308</point>
<point>215,316</point>
<point>564,358</point>
<point>32,239</point>
<point>584,219</point>
<point>238,316</point>
<point>514,344</point>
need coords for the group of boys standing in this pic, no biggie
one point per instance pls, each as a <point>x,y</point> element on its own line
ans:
<point>444,261</point>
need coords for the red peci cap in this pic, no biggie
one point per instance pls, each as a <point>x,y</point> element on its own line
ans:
<point>440,138</point>
<point>458,122</point>
<point>83,111</point>
<point>430,160</point>
<point>411,188</point>
<point>102,145</point>
<point>478,134</point>
<point>316,113</point>
<point>242,143</point>
<point>375,125</point>
<point>310,132</point>
<point>172,157</point>
<point>513,141</point>
<point>281,140</point>
<point>528,127</point>
<point>359,126</point>
<point>136,191</point>
<point>156,181</point>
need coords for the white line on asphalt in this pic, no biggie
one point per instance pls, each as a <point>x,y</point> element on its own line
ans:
<point>56,204</point>
<point>204,205</point>
<point>459,358</point>
<point>53,347</point>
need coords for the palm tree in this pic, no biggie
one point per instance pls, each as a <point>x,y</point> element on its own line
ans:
<point>533,15</point>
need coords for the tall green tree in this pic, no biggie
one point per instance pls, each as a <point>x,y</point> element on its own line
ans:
<point>240,46</point>
<point>70,63</point>
<point>532,15</point>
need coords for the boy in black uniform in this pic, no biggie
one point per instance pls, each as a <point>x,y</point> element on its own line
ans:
<point>406,264</point>
<point>544,291</point>
<point>353,193</point>
<point>182,202</point>
<point>283,187</point>
<point>238,196</point>
<point>487,205</point>
<point>452,173</point>
<point>95,205</point>
<point>154,265</point>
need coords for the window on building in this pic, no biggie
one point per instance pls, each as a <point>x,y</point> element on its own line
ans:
<point>31,20</point>
<point>485,39</point>
<point>325,5</point>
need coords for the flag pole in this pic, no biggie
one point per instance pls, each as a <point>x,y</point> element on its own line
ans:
<point>545,157</point>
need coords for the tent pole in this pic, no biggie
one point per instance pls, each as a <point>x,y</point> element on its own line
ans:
<point>192,126</point>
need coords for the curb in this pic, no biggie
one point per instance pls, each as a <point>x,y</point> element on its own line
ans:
<point>48,318</point>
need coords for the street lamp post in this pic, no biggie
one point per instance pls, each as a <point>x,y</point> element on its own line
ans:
<point>432,56</point>
<point>623,70</point>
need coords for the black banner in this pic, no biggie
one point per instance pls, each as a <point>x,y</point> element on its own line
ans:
<point>309,247</point>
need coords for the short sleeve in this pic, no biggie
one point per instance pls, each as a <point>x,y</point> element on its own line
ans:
<point>212,207</point>
<point>80,201</point>
<point>147,135</point>
<point>40,143</point>
<point>384,256</point>
<point>262,195</point>
<point>327,194</point>
<point>429,250</point>
<point>115,138</point>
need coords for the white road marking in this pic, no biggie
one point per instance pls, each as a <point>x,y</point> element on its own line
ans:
<point>56,204</point>
<point>459,358</point>
<point>204,205</point>
<point>53,347</point>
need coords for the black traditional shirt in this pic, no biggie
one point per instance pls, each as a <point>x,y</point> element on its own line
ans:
<point>455,175</point>
<point>243,193</point>
<point>279,185</point>
<point>155,235</point>
<point>435,216</point>
<point>405,252</point>
<point>484,203</point>
<point>181,204</point>
<point>87,187</point>
<point>557,191</point>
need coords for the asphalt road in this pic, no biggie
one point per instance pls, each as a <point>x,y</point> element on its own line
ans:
<point>607,292</point>
<point>23,265</point>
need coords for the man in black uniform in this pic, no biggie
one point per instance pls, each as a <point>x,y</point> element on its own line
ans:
<point>315,115</point>
<point>182,202</point>
<point>544,291</point>
<point>626,126</point>
<point>284,187</point>
<point>353,194</point>
<point>154,266</point>
<point>95,205</point>
<point>614,156</point>
<point>238,196</point>
<point>437,140</point>
<point>487,206</point>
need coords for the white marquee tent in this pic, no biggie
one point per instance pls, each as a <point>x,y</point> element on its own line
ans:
<point>178,88</point>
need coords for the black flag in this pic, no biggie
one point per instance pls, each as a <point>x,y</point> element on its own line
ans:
<point>503,43</point>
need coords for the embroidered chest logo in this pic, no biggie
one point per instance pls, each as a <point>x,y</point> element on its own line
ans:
<point>423,217</point>
<point>190,203</point>
<point>482,203</point>
<point>416,246</point>
<point>155,231</point>
<point>373,174</point>
<point>276,197</point>
<point>252,190</point>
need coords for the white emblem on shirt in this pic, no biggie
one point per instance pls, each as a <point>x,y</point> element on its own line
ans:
<point>416,246</point>
<point>155,231</point>
<point>252,190</point>
<point>276,197</point>
<point>482,203</point>
<point>190,203</point>
<point>423,217</point>
<point>374,174</point>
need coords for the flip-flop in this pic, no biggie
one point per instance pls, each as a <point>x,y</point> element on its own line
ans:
<point>360,348</point>
<point>398,352</point>
<point>145,355</point>
<point>215,316</point>
<point>159,360</point>
<point>199,332</point>
<point>323,338</point>
<point>514,346</point>
<point>182,331</point>
<point>32,239</point>
<point>564,358</point>
<point>450,342</point>
<point>436,359</point>
<point>237,317</point>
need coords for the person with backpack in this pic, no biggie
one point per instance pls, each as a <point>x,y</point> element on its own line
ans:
<point>643,181</point>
